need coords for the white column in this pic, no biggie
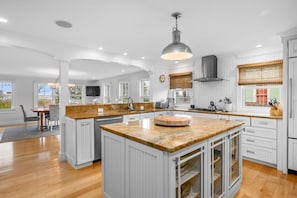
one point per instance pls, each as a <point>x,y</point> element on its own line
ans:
<point>64,98</point>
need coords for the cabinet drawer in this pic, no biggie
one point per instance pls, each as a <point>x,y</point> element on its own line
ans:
<point>263,122</point>
<point>223,117</point>
<point>258,153</point>
<point>259,141</point>
<point>293,48</point>
<point>245,120</point>
<point>146,115</point>
<point>260,132</point>
<point>128,118</point>
<point>161,113</point>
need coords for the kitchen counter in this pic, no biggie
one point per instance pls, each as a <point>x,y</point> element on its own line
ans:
<point>94,114</point>
<point>171,139</point>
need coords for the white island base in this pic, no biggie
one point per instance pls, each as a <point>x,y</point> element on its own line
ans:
<point>210,168</point>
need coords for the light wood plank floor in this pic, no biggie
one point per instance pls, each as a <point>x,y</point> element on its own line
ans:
<point>30,168</point>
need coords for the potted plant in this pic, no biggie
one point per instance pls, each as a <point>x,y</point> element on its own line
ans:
<point>276,108</point>
<point>228,104</point>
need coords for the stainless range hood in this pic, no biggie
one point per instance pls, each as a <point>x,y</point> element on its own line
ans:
<point>209,69</point>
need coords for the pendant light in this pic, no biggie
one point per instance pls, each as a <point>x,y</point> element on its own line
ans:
<point>176,50</point>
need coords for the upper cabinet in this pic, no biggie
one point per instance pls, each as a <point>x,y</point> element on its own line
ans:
<point>181,80</point>
<point>293,48</point>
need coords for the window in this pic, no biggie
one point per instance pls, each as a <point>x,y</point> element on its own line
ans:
<point>261,73</point>
<point>107,93</point>
<point>123,91</point>
<point>182,97</point>
<point>145,90</point>
<point>6,94</point>
<point>258,96</point>
<point>45,95</point>
<point>75,94</point>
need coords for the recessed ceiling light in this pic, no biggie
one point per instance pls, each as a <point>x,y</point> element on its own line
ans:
<point>142,58</point>
<point>259,45</point>
<point>122,70</point>
<point>63,24</point>
<point>176,62</point>
<point>100,48</point>
<point>3,20</point>
<point>125,54</point>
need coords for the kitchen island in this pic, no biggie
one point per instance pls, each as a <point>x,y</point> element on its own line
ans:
<point>141,159</point>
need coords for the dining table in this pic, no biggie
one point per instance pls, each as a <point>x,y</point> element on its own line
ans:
<point>41,111</point>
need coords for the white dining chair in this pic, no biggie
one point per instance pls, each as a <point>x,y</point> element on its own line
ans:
<point>53,116</point>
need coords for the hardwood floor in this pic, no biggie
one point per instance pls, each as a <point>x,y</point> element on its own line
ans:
<point>30,168</point>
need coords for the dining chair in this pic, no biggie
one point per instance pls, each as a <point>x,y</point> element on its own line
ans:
<point>29,118</point>
<point>53,116</point>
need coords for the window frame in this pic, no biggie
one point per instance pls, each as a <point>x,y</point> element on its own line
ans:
<point>258,109</point>
<point>35,100</point>
<point>122,98</point>
<point>13,98</point>
<point>183,105</point>
<point>105,96</point>
<point>141,90</point>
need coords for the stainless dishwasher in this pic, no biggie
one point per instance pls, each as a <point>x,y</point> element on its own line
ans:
<point>97,131</point>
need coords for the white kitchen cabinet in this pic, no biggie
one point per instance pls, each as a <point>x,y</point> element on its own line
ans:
<point>293,48</point>
<point>113,152</point>
<point>131,117</point>
<point>225,164</point>
<point>79,142</point>
<point>162,113</point>
<point>147,115</point>
<point>292,159</point>
<point>202,115</point>
<point>177,113</point>
<point>259,141</point>
<point>245,120</point>
<point>223,117</point>
<point>188,171</point>
<point>133,170</point>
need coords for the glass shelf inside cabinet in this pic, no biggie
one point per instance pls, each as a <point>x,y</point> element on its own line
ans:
<point>188,177</point>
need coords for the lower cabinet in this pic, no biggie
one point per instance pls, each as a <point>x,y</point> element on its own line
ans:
<point>211,168</point>
<point>79,142</point>
<point>292,160</point>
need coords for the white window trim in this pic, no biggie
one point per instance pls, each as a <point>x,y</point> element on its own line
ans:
<point>104,92</point>
<point>242,108</point>
<point>120,96</point>
<point>13,100</point>
<point>184,106</point>
<point>141,89</point>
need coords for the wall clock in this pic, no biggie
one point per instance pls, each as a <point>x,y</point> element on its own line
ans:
<point>162,78</point>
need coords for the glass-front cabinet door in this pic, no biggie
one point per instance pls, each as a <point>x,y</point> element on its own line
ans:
<point>234,159</point>
<point>217,166</point>
<point>189,174</point>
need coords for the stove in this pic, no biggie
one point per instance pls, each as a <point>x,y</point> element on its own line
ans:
<point>201,109</point>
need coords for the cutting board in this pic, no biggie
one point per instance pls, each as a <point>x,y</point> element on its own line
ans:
<point>172,121</point>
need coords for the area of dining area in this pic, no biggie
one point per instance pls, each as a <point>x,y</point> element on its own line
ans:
<point>47,118</point>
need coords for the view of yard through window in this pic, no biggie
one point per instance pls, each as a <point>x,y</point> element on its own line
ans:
<point>6,95</point>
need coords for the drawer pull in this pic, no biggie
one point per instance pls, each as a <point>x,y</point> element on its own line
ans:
<point>252,152</point>
<point>263,123</point>
<point>249,131</point>
<point>249,140</point>
<point>84,124</point>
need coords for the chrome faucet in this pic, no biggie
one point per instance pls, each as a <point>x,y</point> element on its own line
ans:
<point>130,104</point>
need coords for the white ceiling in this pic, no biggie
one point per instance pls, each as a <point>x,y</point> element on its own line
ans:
<point>140,28</point>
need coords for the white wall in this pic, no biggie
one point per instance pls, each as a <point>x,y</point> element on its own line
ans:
<point>24,91</point>
<point>133,81</point>
<point>204,92</point>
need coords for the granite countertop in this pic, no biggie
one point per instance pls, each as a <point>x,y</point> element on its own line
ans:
<point>86,115</point>
<point>171,139</point>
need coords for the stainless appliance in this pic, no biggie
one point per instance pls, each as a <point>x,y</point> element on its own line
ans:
<point>97,130</point>
<point>209,69</point>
